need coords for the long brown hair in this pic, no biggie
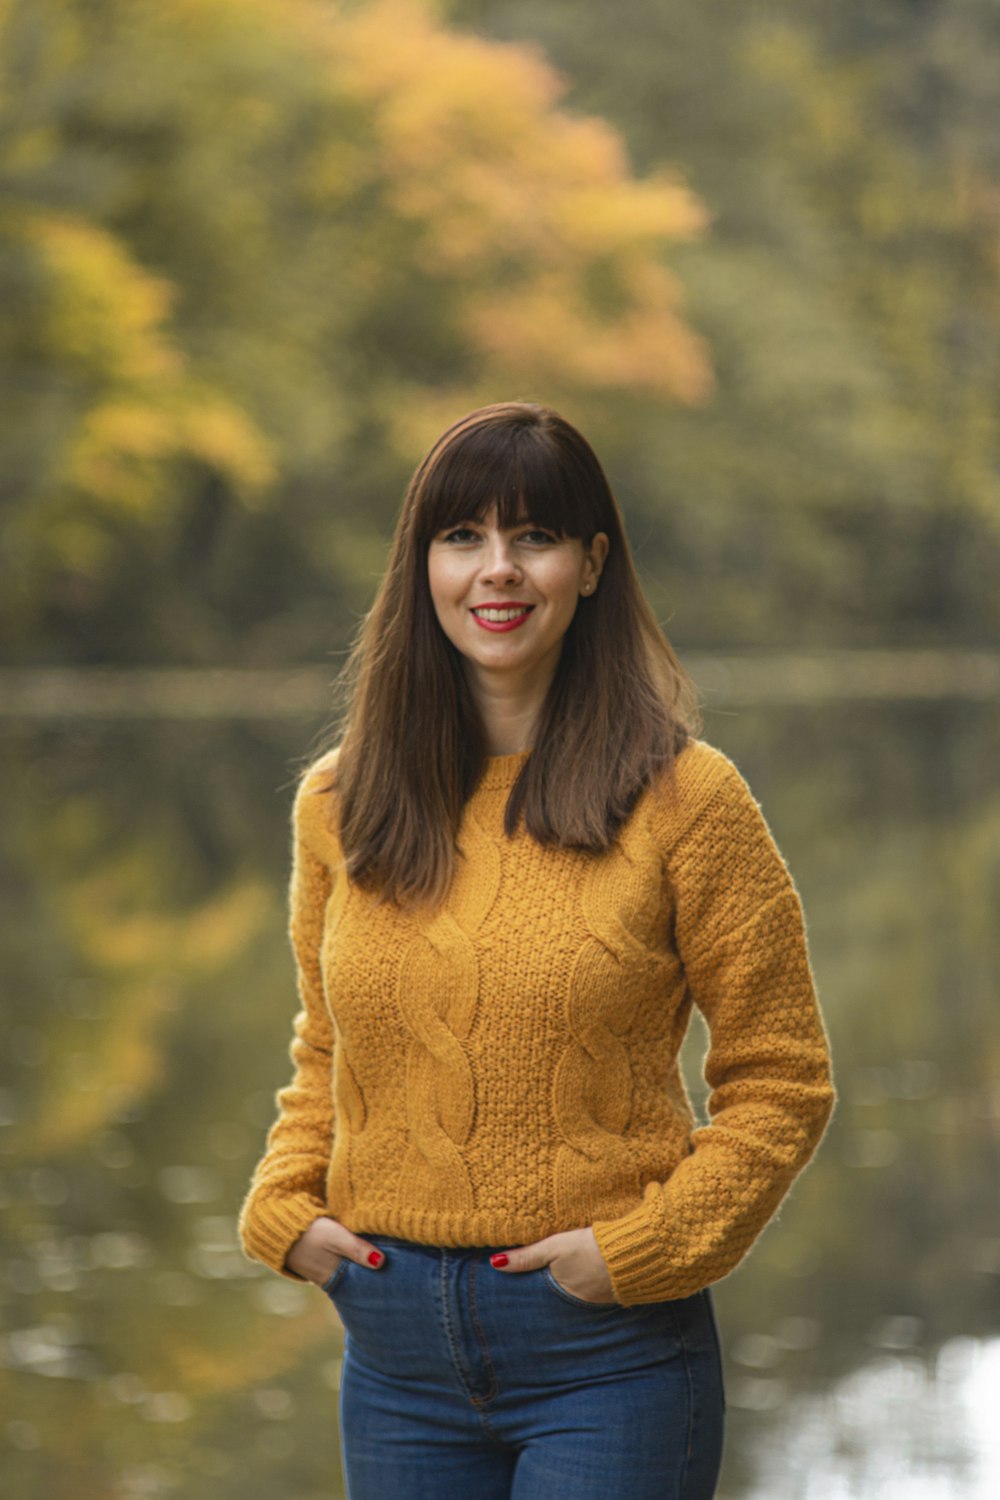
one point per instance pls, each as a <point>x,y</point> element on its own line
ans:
<point>413,747</point>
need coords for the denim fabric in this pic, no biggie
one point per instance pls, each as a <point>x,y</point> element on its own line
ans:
<point>461,1382</point>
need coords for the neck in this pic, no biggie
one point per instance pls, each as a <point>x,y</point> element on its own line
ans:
<point>509,710</point>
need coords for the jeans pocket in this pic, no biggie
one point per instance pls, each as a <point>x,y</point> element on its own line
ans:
<point>336,1277</point>
<point>568,1296</point>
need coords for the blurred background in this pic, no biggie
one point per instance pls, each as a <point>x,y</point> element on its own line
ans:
<point>253,257</point>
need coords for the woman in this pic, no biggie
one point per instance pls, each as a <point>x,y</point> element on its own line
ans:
<point>510,884</point>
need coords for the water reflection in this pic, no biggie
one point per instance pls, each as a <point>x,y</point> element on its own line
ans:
<point>147,991</point>
<point>893,1427</point>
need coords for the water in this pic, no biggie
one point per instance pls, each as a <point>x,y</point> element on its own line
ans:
<point>897,1427</point>
<point>147,997</point>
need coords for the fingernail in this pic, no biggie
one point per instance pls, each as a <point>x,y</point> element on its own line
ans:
<point>376,1258</point>
<point>499,1261</point>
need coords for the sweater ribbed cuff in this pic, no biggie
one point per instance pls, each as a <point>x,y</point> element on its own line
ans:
<point>268,1230</point>
<point>635,1254</point>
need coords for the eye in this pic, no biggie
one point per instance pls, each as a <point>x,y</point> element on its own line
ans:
<point>459,534</point>
<point>536,536</point>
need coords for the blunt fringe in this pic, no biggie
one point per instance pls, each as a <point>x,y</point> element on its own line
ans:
<point>412,744</point>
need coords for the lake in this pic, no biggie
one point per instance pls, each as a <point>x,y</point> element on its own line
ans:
<point>148,993</point>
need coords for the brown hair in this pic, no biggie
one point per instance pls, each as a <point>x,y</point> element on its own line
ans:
<point>618,710</point>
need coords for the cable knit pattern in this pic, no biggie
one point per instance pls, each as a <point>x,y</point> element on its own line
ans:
<point>437,993</point>
<point>593,1081</point>
<point>507,1067</point>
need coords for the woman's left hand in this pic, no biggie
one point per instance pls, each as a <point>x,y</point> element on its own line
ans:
<point>574,1261</point>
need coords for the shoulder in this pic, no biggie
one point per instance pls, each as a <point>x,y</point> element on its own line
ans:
<point>703,787</point>
<point>314,812</point>
<point>702,770</point>
<point>713,836</point>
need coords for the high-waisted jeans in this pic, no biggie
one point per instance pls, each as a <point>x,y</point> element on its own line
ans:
<point>461,1382</point>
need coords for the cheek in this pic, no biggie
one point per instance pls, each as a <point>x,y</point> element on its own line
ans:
<point>448,586</point>
<point>565,591</point>
<point>440,582</point>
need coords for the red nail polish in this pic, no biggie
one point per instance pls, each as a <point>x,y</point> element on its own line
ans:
<point>376,1258</point>
<point>499,1261</point>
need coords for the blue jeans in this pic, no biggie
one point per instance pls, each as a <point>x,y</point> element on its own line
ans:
<point>465,1383</point>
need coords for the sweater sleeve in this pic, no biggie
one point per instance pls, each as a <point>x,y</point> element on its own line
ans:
<point>288,1189</point>
<point>740,934</point>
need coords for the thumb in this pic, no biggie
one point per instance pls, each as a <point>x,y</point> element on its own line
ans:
<point>525,1258</point>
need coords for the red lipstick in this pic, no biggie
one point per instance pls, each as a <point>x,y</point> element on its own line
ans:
<point>512,615</point>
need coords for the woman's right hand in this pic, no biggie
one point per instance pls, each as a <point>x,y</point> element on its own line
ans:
<point>318,1252</point>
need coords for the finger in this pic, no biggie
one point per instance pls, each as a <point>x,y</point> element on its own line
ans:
<point>353,1247</point>
<point>525,1257</point>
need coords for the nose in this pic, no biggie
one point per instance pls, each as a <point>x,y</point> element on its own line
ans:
<point>500,566</point>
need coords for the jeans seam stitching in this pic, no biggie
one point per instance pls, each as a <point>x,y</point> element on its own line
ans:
<point>335,1277</point>
<point>575,1301</point>
<point>690,1392</point>
<point>481,1339</point>
<point>456,1354</point>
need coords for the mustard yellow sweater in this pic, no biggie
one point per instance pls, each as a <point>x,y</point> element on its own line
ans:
<point>507,1067</point>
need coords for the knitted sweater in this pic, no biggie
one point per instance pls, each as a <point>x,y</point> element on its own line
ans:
<point>507,1066</point>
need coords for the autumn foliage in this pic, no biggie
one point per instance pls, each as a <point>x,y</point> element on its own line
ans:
<point>245,242</point>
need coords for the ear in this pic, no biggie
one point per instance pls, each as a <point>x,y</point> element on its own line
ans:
<point>594,558</point>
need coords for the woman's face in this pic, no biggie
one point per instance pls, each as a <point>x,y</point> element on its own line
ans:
<point>505,597</point>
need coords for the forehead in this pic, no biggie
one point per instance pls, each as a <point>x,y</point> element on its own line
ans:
<point>509,483</point>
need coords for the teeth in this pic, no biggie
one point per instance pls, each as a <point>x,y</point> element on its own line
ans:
<point>499,616</point>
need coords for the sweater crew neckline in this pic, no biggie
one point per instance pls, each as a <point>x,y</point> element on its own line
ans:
<point>501,771</point>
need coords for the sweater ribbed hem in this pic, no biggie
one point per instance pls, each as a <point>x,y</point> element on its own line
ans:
<point>269,1229</point>
<point>451,1230</point>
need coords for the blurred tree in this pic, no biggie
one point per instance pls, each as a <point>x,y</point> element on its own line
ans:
<point>843,483</point>
<point>101,422</point>
<point>263,252</point>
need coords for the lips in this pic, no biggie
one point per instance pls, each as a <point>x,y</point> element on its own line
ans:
<point>501,617</point>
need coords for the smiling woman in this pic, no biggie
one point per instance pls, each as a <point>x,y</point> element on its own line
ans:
<point>509,507</point>
<point>505,598</point>
<point>513,879</point>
